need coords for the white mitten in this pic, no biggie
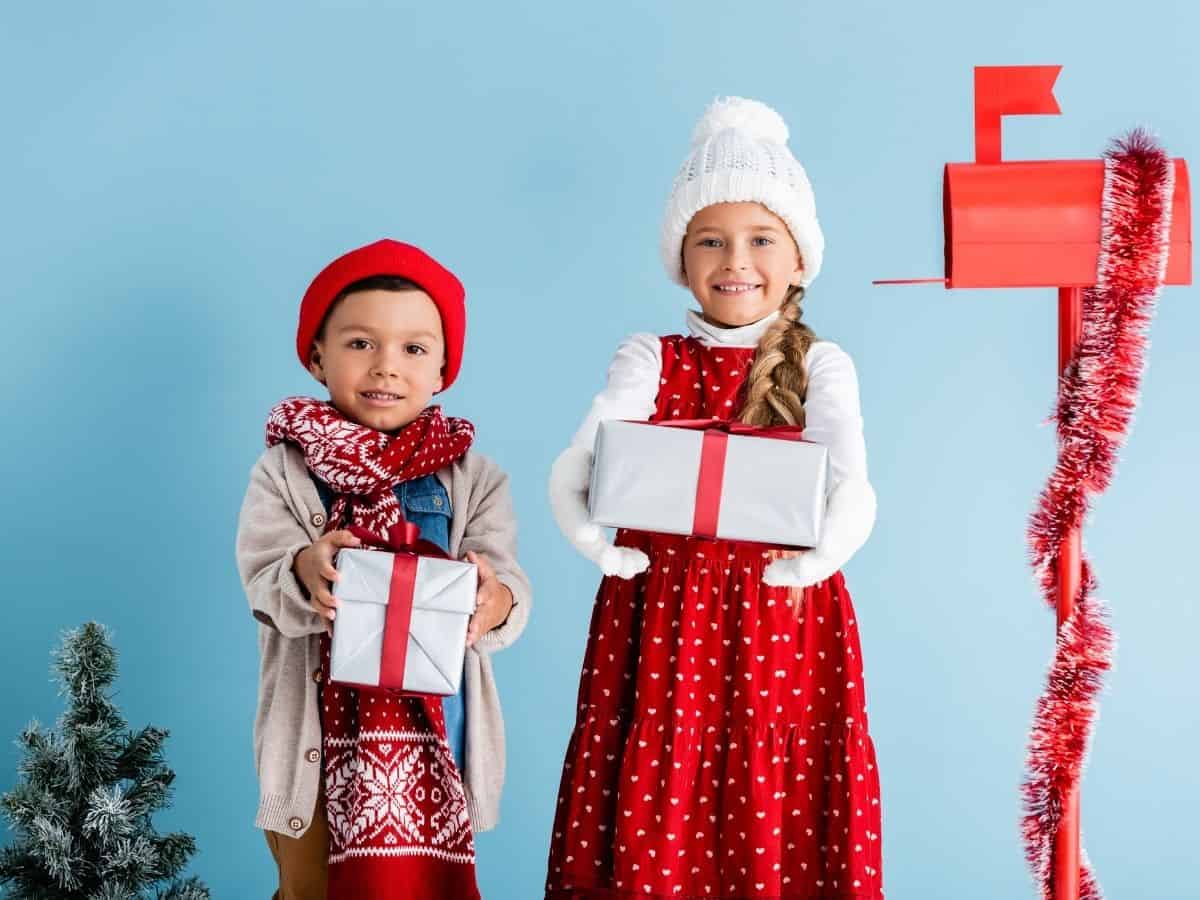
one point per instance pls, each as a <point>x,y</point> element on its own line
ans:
<point>570,477</point>
<point>849,518</point>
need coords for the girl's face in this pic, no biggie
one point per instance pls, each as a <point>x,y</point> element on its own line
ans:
<point>740,260</point>
<point>381,355</point>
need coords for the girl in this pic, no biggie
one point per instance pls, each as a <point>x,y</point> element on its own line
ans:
<point>366,790</point>
<point>721,747</point>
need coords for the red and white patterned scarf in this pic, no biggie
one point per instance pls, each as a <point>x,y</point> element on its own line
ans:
<point>395,802</point>
<point>362,466</point>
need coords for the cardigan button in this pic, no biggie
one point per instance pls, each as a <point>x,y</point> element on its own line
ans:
<point>318,519</point>
<point>313,755</point>
<point>317,676</point>
<point>295,823</point>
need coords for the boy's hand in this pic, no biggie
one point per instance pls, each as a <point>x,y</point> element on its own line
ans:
<point>493,602</point>
<point>314,568</point>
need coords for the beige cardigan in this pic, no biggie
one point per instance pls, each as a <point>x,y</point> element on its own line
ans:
<point>282,514</point>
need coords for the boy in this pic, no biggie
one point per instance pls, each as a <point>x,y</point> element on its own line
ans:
<point>404,781</point>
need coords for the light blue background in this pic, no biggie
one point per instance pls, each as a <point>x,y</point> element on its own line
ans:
<point>173,175</point>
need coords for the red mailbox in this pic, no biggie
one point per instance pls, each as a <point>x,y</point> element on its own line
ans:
<point>1039,224</point>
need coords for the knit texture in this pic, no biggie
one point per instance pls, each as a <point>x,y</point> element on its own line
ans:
<point>362,465</point>
<point>739,154</point>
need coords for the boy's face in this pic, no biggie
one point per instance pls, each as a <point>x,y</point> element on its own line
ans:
<point>740,260</point>
<point>381,355</point>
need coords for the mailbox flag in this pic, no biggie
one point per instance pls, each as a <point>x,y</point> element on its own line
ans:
<point>1009,91</point>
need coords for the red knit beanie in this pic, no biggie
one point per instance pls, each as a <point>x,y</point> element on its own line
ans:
<point>388,257</point>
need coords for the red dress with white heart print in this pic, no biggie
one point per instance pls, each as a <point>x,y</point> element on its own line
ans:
<point>721,746</point>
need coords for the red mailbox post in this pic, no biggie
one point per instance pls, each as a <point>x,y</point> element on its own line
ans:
<point>1039,224</point>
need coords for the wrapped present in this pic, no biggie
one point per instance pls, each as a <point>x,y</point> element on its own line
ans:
<point>710,479</point>
<point>403,619</point>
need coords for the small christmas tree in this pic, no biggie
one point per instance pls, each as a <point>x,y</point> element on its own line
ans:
<point>82,811</point>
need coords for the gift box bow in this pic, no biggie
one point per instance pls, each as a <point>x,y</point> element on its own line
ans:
<point>404,542</point>
<point>403,537</point>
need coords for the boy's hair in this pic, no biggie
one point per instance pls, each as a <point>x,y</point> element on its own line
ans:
<point>371,283</point>
<point>778,379</point>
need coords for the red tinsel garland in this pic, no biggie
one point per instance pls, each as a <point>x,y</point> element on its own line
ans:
<point>1097,396</point>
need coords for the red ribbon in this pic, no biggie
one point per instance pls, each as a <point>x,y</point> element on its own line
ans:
<point>713,448</point>
<point>398,621</point>
<point>726,426</point>
<point>403,541</point>
<point>403,536</point>
<point>709,482</point>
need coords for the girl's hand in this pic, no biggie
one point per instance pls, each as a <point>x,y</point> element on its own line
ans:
<point>799,571</point>
<point>493,602</point>
<point>569,479</point>
<point>314,568</point>
<point>849,517</point>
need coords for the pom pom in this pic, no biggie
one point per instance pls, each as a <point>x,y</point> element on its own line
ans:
<point>756,119</point>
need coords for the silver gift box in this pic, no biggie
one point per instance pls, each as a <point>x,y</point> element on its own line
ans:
<point>644,477</point>
<point>443,601</point>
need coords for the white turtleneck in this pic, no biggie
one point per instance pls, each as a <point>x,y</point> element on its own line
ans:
<point>721,336</point>
<point>831,406</point>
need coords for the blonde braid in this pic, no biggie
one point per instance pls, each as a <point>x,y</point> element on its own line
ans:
<point>778,379</point>
<point>776,386</point>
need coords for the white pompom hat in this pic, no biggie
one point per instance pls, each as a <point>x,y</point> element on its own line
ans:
<point>739,154</point>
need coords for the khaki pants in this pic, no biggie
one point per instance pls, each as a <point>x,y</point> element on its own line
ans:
<point>302,861</point>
